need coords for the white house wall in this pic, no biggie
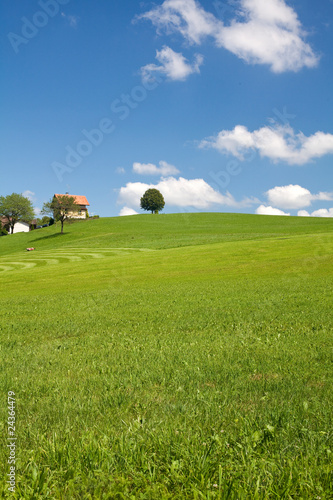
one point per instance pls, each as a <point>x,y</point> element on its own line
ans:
<point>21,227</point>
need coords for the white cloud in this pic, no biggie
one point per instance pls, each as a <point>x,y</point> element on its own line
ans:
<point>294,196</point>
<point>278,143</point>
<point>235,141</point>
<point>164,169</point>
<point>127,211</point>
<point>173,64</point>
<point>186,17</point>
<point>29,194</point>
<point>180,192</point>
<point>262,31</point>
<point>303,213</point>
<point>263,210</point>
<point>271,34</point>
<point>191,192</point>
<point>323,212</point>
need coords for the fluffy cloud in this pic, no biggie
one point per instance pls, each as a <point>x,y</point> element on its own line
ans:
<point>186,17</point>
<point>294,196</point>
<point>322,212</point>
<point>164,169</point>
<point>263,210</point>
<point>279,143</point>
<point>127,211</point>
<point>271,34</point>
<point>181,193</point>
<point>261,32</point>
<point>173,64</point>
<point>29,194</point>
<point>303,213</point>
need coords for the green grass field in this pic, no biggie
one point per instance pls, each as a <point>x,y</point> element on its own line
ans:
<point>162,357</point>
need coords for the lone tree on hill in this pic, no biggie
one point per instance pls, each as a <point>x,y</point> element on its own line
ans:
<point>16,207</point>
<point>61,208</point>
<point>152,201</point>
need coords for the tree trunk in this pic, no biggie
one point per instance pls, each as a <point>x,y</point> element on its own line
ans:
<point>62,226</point>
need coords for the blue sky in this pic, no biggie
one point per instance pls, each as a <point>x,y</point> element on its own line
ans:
<point>223,106</point>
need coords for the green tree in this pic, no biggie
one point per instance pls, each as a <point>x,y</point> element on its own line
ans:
<point>3,230</point>
<point>44,220</point>
<point>152,201</point>
<point>60,207</point>
<point>16,207</point>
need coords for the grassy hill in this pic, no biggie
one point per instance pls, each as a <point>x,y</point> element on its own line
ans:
<point>166,231</point>
<point>172,356</point>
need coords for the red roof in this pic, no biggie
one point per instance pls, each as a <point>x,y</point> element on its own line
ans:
<point>79,200</point>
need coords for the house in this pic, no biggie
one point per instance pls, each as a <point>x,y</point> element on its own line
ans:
<point>82,201</point>
<point>19,227</point>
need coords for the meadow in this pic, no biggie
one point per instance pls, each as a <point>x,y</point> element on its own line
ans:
<point>182,356</point>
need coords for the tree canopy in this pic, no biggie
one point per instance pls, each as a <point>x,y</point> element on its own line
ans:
<point>152,201</point>
<point>16,207</point>
<point>60,207</point>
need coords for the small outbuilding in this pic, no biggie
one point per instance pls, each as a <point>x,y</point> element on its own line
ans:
<point>19,227</point>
